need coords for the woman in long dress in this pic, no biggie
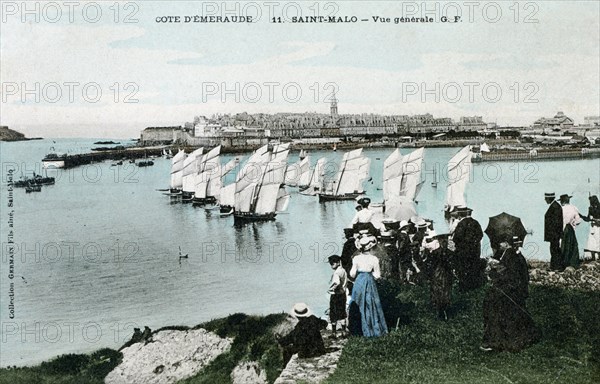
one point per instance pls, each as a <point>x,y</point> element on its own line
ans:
<point>366,313</point>
<point>568,245</point>
<point>592,247</point>
<point>507,325</point>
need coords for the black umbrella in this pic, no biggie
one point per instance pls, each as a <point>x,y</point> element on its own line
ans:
<point>504,227</point>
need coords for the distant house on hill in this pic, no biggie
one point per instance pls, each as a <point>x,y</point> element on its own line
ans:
<point>559,122</point>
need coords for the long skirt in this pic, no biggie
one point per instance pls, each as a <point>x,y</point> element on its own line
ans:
<point>507,326</point>
<point>366,313</point>
<point>441,285</point>
<point>593,242</point>
<point>569,247</point>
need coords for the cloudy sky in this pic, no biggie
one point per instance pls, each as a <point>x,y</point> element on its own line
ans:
<point>83,71</point>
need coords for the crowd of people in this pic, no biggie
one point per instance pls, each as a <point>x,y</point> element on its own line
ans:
<point>560,221</point>
<point>411,252</point>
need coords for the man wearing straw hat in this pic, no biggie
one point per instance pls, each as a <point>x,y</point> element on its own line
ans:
<point>305,339</point>
<point>553,230</point>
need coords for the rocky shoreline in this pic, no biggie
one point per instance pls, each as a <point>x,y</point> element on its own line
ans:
<point>585,278</point>
<point>168,356</point>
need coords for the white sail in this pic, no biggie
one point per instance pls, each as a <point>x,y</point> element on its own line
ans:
<point>305,172</point>
<point>190,168</point>
<point>283,200</point>
<point>316,180</point>
<point>459,169</point>
<point>392,175</point>
<point>248,179</point>
<point>354,170</point>
<point>298,174</point>
<point>412,165</point>
<point>273,177</point>
<point>229,166</point>
<point>227,195</point>
<point>208,168</point>
<point>176,170</point>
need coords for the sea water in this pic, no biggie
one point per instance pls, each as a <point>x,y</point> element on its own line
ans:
<point>97,254</point>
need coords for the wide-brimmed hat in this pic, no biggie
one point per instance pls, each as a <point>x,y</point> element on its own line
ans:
<point>300,310</point>
<point>565,196</point>
<point>421,223</point>
<point>403,224</point>
<point>367,242</point>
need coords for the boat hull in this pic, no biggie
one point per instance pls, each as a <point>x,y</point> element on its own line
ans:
<point>246,217</point>
<point>46,164</point>
<point>205,201</point>
<point>348,196</point>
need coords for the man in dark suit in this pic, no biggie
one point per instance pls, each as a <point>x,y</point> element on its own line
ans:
<point>553,230</point>
<point>467,241</point>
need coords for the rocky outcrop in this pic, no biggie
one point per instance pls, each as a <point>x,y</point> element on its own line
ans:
<point>7,134</point>
<point>315,369</point>
<point>586,277</point>
<point>248,373</point>
<point>167,357</point>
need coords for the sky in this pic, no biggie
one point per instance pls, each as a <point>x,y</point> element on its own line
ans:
<point>110,69</point>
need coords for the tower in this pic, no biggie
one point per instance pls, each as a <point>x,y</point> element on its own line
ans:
<point>333,108</point>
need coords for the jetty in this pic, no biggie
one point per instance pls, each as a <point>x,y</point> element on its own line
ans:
<point>537,155</point>
<point>131,153</point>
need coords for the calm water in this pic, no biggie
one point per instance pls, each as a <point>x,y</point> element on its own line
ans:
<point>102,246</point>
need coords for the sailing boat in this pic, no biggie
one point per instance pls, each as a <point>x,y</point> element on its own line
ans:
<point>190,169</point>
<point>261,198</point>
<point>459,169</point>
<point>176,173</point>
<point>402,183</point>
<point>315,182</point>
<point>353,171</point>
<point>298,174</point>
<point>208,165</point>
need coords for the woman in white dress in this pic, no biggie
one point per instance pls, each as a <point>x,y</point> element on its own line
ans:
<point>592,247</point>
<point>366,313</point>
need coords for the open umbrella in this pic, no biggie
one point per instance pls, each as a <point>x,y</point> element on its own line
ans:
<point>504,227</point>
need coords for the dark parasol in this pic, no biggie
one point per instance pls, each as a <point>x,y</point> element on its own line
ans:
<point>504,227</point>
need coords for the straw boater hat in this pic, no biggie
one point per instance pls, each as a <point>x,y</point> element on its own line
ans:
<point>365,243</point>
<point>550,195</point>
<point>300,310</point>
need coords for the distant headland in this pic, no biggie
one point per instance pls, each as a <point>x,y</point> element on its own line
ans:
<point>7,134</point>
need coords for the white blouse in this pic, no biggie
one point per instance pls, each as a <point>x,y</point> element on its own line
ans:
<point>365,262</point>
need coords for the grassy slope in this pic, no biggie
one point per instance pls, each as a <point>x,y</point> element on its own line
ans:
<point>66,369</point>
<point>422,350</point>
<point>426,350</point>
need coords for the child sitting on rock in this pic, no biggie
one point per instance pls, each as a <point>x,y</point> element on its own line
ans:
<point>337,292</point>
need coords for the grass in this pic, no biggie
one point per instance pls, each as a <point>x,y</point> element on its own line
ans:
<point>426,350</point>
<point>66,369</point>
<point>421,350</point>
